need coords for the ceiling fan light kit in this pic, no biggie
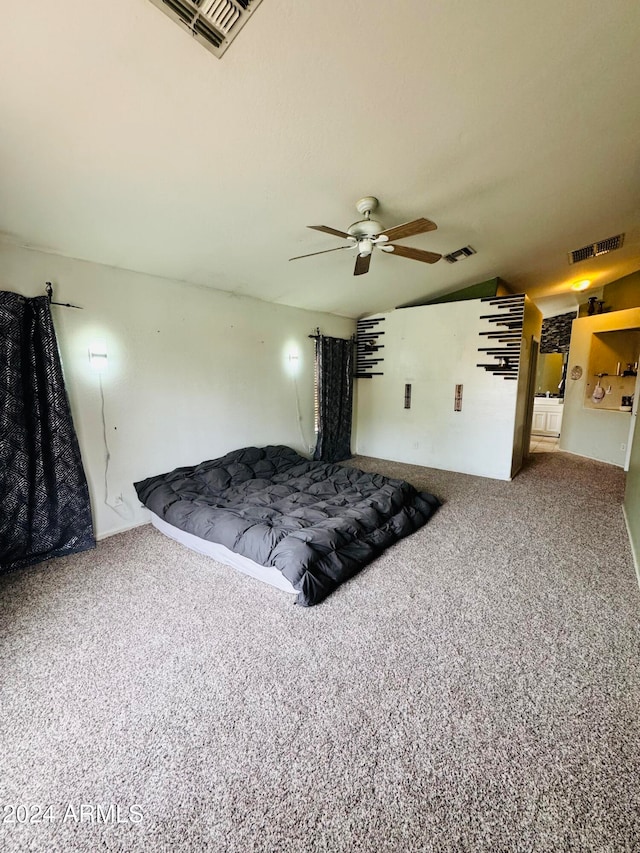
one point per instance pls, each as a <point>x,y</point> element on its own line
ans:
<point>365,247</point>
<point>367,233</point>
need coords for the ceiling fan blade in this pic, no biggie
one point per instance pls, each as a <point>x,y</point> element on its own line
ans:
<point>324,252</point>
<point>410,229</point>
<point>326,230</point>
<point>415,254</point>
<point>362,264</point>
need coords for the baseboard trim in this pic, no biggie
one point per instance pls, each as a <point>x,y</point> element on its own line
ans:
<point>634,554</point>
<point>592,458</point>
<point>101,536</point>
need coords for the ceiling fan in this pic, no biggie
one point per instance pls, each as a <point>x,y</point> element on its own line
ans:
<point>365,234</point>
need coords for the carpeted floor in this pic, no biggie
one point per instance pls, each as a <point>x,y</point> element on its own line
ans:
<point>475,689</point>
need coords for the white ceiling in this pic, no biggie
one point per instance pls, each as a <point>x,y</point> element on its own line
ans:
<point>514,126</point>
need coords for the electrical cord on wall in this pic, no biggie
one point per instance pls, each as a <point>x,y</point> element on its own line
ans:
<point>107,458</point>
<point>305,444</point>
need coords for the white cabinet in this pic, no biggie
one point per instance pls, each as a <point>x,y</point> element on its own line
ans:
<point>554,422</point>
<point>547,416</point>
<point>539,421</point>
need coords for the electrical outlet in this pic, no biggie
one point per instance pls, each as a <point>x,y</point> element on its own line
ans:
<point>623,446</point>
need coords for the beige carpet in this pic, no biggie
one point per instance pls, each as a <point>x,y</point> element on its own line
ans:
<point>475,689</point>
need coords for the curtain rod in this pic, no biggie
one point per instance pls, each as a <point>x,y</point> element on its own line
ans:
<point>49,289</point>
<point>318,334</point>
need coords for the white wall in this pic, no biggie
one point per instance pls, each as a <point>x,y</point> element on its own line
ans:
<point>435,347</point>
<point>586,430</point>
<point>193,372</point>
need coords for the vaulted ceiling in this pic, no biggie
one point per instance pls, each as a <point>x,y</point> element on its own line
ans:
<point>513,126</point>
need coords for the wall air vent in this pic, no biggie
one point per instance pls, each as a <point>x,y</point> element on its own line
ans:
<point>213,23</point>
<point>595,249</point>
<point>464,252</point>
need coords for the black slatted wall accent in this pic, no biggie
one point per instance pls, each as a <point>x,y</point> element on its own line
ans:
<point>368,347</point>
<point>504,335</point>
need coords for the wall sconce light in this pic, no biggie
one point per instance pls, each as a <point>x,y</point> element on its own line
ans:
<point>98,360</point>
<point>294,363</point>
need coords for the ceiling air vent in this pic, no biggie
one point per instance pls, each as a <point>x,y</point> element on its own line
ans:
<point>213,23</point>
<point>464,252</point>
<point>595,249</point>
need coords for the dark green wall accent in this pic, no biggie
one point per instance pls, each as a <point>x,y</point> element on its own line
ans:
<point>492,287</point>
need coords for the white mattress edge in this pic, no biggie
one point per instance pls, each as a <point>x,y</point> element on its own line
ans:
<point>267,574</point>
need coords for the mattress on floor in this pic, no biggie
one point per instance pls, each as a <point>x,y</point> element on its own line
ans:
<point>318,524</point>
<point>223,555</point>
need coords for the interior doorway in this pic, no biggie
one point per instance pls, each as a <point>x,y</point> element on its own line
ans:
<point>548,401</point>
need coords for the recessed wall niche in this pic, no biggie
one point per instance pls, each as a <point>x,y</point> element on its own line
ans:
<point>613,367</point>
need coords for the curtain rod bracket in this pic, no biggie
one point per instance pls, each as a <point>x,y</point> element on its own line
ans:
<point>49,290</point>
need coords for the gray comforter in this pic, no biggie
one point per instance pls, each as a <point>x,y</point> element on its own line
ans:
<point>318,524</point>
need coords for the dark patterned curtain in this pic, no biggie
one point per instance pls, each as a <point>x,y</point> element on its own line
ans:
<point>334,364</point>
<point>45,510</point>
